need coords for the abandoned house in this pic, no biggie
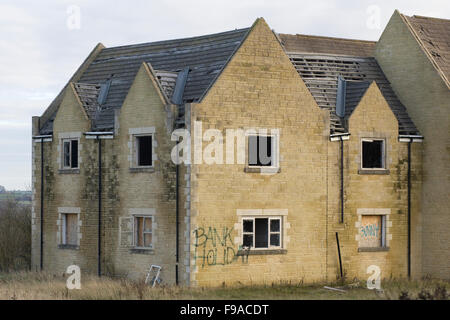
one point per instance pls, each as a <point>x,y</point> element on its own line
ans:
<point>340,187</point>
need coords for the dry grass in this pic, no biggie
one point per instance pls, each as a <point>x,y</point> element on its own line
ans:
<point>29,285</point>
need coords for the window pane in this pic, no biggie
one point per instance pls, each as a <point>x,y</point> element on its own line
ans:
<point>248,240</point>
<point>148,224</point>
<point>371,231</point>
<point>144,150</point>
<point>139,232</point>
<point>74,154</point>
<point>252,150</point>
<point>248,226</point>
<point>261,233</point>
<point>66,154</point>
<point>260,151</point>
<point>275,239</point>
<point>264,151</point>
<point>372,154</point>
<point>147,240</point>
<point>275,225</point>
<point>71,229</point>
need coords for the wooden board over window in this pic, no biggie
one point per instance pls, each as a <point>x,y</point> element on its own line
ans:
<point>371,231</point>
<point>71,235</point>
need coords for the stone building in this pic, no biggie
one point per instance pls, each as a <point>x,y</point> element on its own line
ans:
<point>414,53</point>
<point>238,157</point>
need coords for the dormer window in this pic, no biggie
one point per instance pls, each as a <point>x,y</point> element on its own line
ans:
<point>144,151</point>
<point>70,153</point>
<point>373,154</point>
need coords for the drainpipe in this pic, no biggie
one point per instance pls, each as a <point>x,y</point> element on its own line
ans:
<point>42,139</point>
<point>342,179</point>
<point>99,267</point>
<point>409,139</point>
<point>99,136</point>
<point>42,207</point>
<point>177,222</point>
<point>341,137</point>
<point>409,209</point>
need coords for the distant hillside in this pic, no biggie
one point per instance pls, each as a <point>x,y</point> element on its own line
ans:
<point>21,196</point>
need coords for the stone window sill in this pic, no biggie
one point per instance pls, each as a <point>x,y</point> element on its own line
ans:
<point>143,169</point>
<point>68,247</point>
<point>373,249</point>
<point>69,171</point>
<point>142,251</point>
<point>262,170</point>
<point>374,171</point>
<point>261,252</point>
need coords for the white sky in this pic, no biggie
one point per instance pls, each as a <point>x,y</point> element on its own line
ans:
<point>40,48</point>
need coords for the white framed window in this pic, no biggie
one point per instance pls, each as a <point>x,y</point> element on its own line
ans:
<point>372,231</point>
<point>69,229</point>
<point>70,153</point>
<point>262,232</point>
<point>143,232</point>
<point>373,153</point>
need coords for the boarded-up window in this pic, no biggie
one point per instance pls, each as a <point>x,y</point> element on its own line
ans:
<point>70,229</point>
<point>126,225</point>
<point>143,232</point>
<point>372,154</point>
<point>144,150</point>
<point>372,231</point>
<point>260,151</point>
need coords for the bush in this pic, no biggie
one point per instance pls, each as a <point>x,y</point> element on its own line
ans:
<point>15,236</point>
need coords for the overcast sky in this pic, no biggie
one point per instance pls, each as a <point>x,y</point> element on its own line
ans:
<point>43,42</point>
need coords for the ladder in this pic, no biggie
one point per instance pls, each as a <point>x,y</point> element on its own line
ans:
<point>153,268</point>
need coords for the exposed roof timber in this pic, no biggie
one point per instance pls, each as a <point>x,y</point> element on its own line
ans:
<point>320,72</point>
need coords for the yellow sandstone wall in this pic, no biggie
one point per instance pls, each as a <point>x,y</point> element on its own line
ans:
<point>427,99</point>
<point>259,88</point>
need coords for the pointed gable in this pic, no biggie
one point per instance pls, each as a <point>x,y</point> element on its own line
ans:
<point>320,61</point>
<point>204,55</point>
<point>433,35</point>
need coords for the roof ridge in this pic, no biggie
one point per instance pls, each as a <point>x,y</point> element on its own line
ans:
<point>327,37</point>
<point>178,39</point>
<point>425,17</point>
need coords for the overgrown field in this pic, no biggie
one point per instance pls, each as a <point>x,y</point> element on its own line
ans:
<point>31,285</point>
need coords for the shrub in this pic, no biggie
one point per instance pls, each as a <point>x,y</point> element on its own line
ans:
<point>15,236</point>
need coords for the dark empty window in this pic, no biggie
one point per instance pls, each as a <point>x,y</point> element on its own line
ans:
<point>260,151</point>
<point>144,150</point>
<point>261,232</point>
<point>373,154</point>
<point>70,155</point>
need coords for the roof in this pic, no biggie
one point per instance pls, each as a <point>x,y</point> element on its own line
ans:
<point>433,35</point>
<point>204,55</point>
<point>317,44</point>
<point>320,62</point>
<point>88,94</point>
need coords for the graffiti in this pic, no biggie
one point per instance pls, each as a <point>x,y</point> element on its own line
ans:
<point>370,231</point>
<point>213,247</point>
